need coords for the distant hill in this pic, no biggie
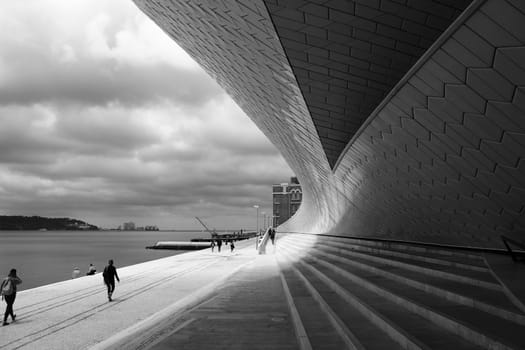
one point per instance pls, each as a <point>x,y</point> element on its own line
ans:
<point>40,223</point>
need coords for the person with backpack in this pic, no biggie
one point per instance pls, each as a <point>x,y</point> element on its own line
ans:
<point>109,275</point>
<point>8,290</point>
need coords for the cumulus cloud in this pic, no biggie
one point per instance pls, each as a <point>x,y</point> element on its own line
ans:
<point>105,118</point>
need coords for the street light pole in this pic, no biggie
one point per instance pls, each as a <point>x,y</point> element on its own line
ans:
<point>257,207</point>
<point>257,232</point>
<point>264,221</point>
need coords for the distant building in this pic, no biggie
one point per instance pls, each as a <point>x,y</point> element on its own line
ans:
<point>151,228</point>
<point>286,200</point>
<point>128,226</point>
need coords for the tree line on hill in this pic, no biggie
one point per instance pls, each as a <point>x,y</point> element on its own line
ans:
<point>16,222</point>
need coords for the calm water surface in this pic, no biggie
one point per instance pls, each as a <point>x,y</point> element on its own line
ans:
<point>43,257</point>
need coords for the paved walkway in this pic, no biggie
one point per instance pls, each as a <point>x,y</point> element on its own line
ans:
<point>150,300</point>
<point>248,312</point>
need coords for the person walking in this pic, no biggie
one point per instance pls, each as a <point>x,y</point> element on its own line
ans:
<point>272,235</point>
<point>219,244</point>
<point>8,290</point>
<point>109,275</point>
<point>232,246</point>
<point>212,245</point>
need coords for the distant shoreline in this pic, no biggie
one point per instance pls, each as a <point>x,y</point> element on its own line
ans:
<point>114,229</point>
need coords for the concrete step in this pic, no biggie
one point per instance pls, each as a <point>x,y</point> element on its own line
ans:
<point>363,313</point>
<point>492,301</point>
<point>316,319</point>
<point>364,334</point>
<point>451,313</point>
<point>471,257</point>
<point>487,300</point>
<point>409,329</point>
<point>492,323</point>
<point>476,278</point>
<point>420,323</point>
<point>430,257</point>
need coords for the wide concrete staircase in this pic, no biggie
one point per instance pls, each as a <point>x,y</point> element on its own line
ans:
<point>358,294</point>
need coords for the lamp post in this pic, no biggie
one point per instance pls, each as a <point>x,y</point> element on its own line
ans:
<point>257,207</point>
<point>257,232</point>
<point>264,221</point>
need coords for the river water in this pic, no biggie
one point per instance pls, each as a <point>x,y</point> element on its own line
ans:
<point>43,257</point>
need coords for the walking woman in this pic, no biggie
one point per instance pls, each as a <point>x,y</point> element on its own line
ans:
<point>8,289</point>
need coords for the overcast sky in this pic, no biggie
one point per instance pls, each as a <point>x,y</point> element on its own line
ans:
<point>105,119</point>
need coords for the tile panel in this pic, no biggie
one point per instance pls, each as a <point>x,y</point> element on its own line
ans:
<point>368,44</point>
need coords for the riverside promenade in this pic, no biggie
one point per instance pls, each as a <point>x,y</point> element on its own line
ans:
<point>312,292</point>
<point>242,290</point>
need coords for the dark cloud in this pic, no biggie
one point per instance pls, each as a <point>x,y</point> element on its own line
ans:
<point>106,56</point>
<point>42,79</point>
<point>104,118</point>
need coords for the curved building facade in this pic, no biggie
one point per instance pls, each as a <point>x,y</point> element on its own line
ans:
<point>402,120</point>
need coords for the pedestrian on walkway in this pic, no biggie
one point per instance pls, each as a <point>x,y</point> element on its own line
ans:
<point>219,244</point>
<point>109,275</point>
<point>212,245</point>
<point>232,246</point>
<point>272,235</point>
<point>8,290</point>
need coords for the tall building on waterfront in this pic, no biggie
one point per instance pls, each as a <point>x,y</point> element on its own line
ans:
<point>287,198</point>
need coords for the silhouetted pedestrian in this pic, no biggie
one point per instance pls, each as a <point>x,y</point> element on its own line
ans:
<point>8,290</point>
<point>109,274</point>
<point>232,246</point>
<point>212,245</point>
<point>219,244</point>
<point>272,235</point>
